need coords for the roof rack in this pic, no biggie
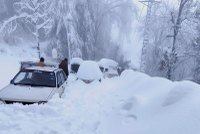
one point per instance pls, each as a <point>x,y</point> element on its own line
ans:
<point>27,64</point>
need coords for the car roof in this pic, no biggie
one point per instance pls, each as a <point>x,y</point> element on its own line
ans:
<point>45,68</point>
<point>106,63</point>
<point>89,70</point>
<point>76,60</point>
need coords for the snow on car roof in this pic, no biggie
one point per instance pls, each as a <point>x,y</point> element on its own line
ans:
<point>39,68</point>
<point>76,60</point>
<point>107,63</point>
<point>28,64</point>
<point>89,70</point>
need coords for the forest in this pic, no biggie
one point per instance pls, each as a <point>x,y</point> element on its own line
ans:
<point>95,29</point>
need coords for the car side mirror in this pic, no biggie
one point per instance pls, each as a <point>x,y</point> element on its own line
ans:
<point>12,82</point>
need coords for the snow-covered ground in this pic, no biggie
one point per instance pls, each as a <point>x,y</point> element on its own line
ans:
<point>133,103</point>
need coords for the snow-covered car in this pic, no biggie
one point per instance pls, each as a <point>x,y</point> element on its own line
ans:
<point>108,67</point>
<point>89,71</point>
<point>34,85</point>
<point>75,64</point>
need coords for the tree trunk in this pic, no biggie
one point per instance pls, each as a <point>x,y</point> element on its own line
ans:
<point>69,48</point>
<point>38,47</point>
<point>176,27</point>
<point>146,39</point>
<point>38,43</point>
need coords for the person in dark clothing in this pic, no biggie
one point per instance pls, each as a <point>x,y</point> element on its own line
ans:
<point>41,62</point>
<point>64,65</point>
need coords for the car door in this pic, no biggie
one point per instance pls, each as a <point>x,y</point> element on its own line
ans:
<point>60,83</point>
<point>64,79</point>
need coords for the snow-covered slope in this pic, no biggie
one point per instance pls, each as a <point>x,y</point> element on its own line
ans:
<point>133,103</point>
<point>10,57</point>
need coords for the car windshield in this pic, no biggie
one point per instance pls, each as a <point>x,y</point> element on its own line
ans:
<point>35,78</point>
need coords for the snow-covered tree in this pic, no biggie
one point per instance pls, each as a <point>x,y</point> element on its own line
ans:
<point>106,17</point>
<point>63,35</point>
<point>172,33</point>
<point>32,15</point>
<point>90,29</point>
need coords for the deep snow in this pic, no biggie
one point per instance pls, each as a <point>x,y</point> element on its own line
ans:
<point>133,103</point>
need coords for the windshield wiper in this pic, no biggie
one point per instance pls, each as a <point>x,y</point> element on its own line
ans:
<point>33,85</point>
<point>41,85</point>
<point>26,84</point>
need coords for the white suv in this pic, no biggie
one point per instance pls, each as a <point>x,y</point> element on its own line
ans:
<point>34,85</point>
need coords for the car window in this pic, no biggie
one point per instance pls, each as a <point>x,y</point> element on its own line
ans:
<point>102,69</point>
<point>35,78</point>
<point>20,77</point>
<point>59,79</point>
<point>64,77</point>
<point>75,67</point>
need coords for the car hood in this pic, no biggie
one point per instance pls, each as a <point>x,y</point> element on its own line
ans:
<point>25,93</point>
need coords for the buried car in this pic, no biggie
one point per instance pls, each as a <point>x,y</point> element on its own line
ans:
<point>34,85</point>
<point>75,64</point>
<point>89,71</point>
<point>109,67</point>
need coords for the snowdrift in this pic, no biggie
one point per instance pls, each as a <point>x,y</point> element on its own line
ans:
<point>133,103</point>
